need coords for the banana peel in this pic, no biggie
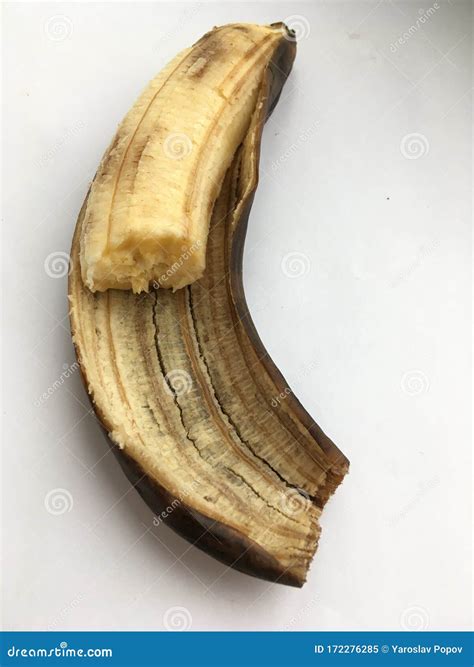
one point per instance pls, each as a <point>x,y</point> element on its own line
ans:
<point>201,420</point>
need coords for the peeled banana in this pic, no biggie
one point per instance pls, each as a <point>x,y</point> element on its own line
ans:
<point>201,420</point>
<point>148,213</point>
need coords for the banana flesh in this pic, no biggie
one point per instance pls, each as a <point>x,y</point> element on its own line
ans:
<point>148,213</point>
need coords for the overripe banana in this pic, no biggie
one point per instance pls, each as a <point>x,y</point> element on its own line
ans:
<point>200,418</point>
<point>151,201</point>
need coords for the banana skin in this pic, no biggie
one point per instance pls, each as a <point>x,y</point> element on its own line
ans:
<point>186,393</point>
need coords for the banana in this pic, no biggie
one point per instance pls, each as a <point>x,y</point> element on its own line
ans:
<point>148,212</point>
<point>199,417</point>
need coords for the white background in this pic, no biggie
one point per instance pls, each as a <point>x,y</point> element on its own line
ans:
<point>371,326</point>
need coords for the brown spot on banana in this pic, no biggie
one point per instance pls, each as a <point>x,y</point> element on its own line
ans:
<point>184,389</point>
